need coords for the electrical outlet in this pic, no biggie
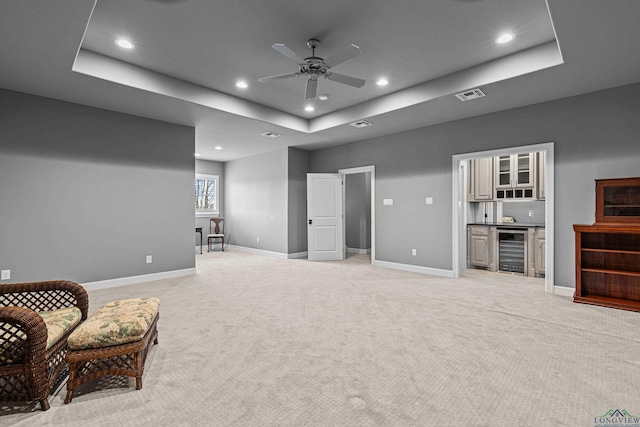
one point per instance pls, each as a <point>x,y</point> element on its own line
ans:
<point>429,200</point>
<point>530,212</point>
<point>5,275</point>
<point>149,259</point>
<point>257,240</point>
<point>413,252</point>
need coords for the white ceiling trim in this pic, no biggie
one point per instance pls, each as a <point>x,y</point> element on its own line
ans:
<point>517,64</point>
<point>105,68</point>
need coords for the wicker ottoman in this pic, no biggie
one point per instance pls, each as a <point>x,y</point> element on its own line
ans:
<point>113,342</point>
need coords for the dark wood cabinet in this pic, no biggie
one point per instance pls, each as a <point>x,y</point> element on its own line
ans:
<point>618,201</point>
<point>608,252</point>
<point>608,266</point>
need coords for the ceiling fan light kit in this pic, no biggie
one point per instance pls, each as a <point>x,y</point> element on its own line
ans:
<point>314,67</point>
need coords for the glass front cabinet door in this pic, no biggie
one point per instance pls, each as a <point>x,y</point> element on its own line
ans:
<point>515,170</point>
<point>618,200</point>
<point>515,176</point>
<point>503,170</point>
<point>524,169</point>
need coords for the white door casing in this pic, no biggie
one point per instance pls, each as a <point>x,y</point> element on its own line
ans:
<point>459,219</point>
<point>371,169</point>
<point>325,230</point>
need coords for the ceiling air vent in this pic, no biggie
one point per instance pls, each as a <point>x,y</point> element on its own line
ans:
<point>360,124</point>
<point>271,134</point>
<point>470,94</point>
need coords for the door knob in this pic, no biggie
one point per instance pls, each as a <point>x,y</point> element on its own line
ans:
<point>310,221</point>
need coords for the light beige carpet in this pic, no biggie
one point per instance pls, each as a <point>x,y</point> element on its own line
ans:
<point>260,341</point>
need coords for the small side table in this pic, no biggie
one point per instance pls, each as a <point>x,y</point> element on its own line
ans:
<point>199,230</point>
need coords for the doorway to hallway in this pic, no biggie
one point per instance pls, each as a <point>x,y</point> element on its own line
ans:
<point>359,221</point>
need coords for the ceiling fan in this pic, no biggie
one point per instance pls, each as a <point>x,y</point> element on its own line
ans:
<point>314,67</point>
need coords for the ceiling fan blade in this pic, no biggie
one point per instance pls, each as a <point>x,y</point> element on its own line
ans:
<point>345,54</point>
<point>283,49</point>
<point>277,77</point>
<point>312,86</point>
<point>347,80</point>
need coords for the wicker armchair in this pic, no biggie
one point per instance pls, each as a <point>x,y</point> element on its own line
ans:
<point>28,369</point>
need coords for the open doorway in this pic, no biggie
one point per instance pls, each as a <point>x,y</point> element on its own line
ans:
<point>359,203</point>
<point>357,213</point>
<point>462,212</point>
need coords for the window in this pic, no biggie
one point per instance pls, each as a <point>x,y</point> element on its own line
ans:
<point>206,194</point>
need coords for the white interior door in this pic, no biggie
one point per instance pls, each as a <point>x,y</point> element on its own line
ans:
<point>325,232</point>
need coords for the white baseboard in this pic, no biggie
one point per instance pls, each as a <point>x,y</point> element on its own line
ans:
<point>413,268</point>
<point>298,255</point>
<point>563,291</point>
<point>358,251</point>
<point>112,283</point>
<point>256,251</point>
<point>385,264</point>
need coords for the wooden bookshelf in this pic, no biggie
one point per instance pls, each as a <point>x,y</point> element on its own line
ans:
<point>618,201</point>
<point>608,252</point>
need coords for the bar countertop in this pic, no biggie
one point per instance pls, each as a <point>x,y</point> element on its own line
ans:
<point>507,224</point>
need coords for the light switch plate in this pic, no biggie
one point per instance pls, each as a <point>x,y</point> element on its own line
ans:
<point>5,275</point>
<point>387,202</point>
<point>429,200</point>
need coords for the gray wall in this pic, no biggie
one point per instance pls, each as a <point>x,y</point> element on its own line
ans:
<point>298,161</point>
<point>407,170</point>
<point>86,194</point>
<point>267,199</point>
<point>358,210</point>
<point>595,135</point>
<point>256,190</point>
<point>211,168</point>
<point>520,211</point>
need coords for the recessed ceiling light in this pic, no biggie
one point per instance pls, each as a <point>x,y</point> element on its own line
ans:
<point>505,38</point>
<point>309,108</point>
<point>217,147</point>
<point>124,43</point>
<point>242,84</point>
<point>323,97</point>
<point>382,82</point>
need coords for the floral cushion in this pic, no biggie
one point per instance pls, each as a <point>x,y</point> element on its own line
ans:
<point>116,323</point>
<point>59,322</point>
